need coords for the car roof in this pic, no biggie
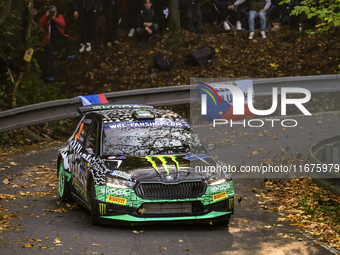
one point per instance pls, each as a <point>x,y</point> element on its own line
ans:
<point>114,113</point>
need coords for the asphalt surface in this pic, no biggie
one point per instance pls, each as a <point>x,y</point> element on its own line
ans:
<point>51,227</point>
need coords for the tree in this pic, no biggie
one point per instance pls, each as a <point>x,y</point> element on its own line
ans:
<point>5,9</point>
<point>327,11</point>
<point>174,17</point>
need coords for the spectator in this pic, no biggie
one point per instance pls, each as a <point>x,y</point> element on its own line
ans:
<point>54,24</point>
<point>112,9</point>
<point>162,15</point>
<point>222,6</point>
<point>86,10</point>
<point>257,8</point>
<point>134,6</point>
<point>147,21</point>
<point>193,10</point>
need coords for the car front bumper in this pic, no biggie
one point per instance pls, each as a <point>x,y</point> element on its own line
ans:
<point>124,206</point>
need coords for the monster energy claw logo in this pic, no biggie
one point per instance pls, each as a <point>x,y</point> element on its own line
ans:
<point>102,208</point>
<point>164,162</point>
<point>231,203</point>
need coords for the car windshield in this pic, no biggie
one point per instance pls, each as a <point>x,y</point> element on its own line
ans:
<point>150,138</point>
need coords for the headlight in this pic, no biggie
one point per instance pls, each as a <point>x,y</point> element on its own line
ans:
<point>116,183</point>
<point>217,179</point>
<point>216,182</point>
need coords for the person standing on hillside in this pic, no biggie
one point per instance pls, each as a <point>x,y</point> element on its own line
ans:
<point>54,25</point>
<point>113,13</point>
<point>193,11</point>
<point>86,10</point>
<point>257,8</point>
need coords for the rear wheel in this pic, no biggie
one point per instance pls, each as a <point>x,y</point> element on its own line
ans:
<point>94,205</point>
<point>63,185</point>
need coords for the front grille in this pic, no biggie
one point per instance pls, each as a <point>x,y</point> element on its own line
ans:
<point>167,208</point>
<point>170,191</point>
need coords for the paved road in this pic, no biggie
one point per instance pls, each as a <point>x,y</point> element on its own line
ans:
<point>53,228</point>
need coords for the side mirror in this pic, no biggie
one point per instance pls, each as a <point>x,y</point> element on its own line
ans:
<point>211,146</point>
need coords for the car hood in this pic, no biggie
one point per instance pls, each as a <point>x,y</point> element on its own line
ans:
<point>167,168</point>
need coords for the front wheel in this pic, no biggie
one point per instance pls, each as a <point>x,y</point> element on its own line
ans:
<point>63,185</point>
<point>224,223</point>
<point>94,205</point>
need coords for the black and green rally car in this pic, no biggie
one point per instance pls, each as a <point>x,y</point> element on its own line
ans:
<point>133,163</point>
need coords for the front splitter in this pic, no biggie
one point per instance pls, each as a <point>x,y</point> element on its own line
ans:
<point>127,217</point>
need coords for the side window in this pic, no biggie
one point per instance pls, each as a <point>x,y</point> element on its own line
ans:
<point>92,139</point>
<point>83,128</point>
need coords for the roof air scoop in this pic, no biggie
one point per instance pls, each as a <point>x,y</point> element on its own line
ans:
<point>143,115</point>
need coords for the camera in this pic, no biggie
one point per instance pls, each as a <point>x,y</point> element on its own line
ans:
<point>52,11</point>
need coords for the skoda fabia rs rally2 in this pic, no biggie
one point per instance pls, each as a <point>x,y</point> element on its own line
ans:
<point>133,164</point>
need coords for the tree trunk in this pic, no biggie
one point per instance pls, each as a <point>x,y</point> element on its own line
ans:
<point>174,16</point>
<point>5,11</point>
<point>29,30</point>
<point>15,89</point>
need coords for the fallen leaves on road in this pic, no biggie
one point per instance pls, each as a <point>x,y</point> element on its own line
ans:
<point>57,210</point>
<point>27,245</point>
<point>57,240</point>
<point>308,206</point>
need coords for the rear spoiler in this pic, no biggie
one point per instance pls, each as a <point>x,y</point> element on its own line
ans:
<point>100,107</point>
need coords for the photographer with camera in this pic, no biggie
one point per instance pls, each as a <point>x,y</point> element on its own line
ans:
<point>54,24</point>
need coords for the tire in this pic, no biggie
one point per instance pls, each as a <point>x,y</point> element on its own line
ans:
<point>224,223</point>
<point>94,205</point>
<point>63,185</point>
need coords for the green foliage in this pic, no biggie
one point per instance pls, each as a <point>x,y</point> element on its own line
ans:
<point>2,92</point>
<point>312,204</point>
<point>33,90</point>
<point>37,40</point>
<point>327,11</point>
<point>6,31</point>
<point>60,127</point>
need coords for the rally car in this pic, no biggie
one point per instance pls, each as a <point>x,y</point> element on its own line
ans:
<point>133,163</point>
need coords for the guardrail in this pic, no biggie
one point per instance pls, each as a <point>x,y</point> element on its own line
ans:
<point>329,180</point>
<point>175,95</point>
